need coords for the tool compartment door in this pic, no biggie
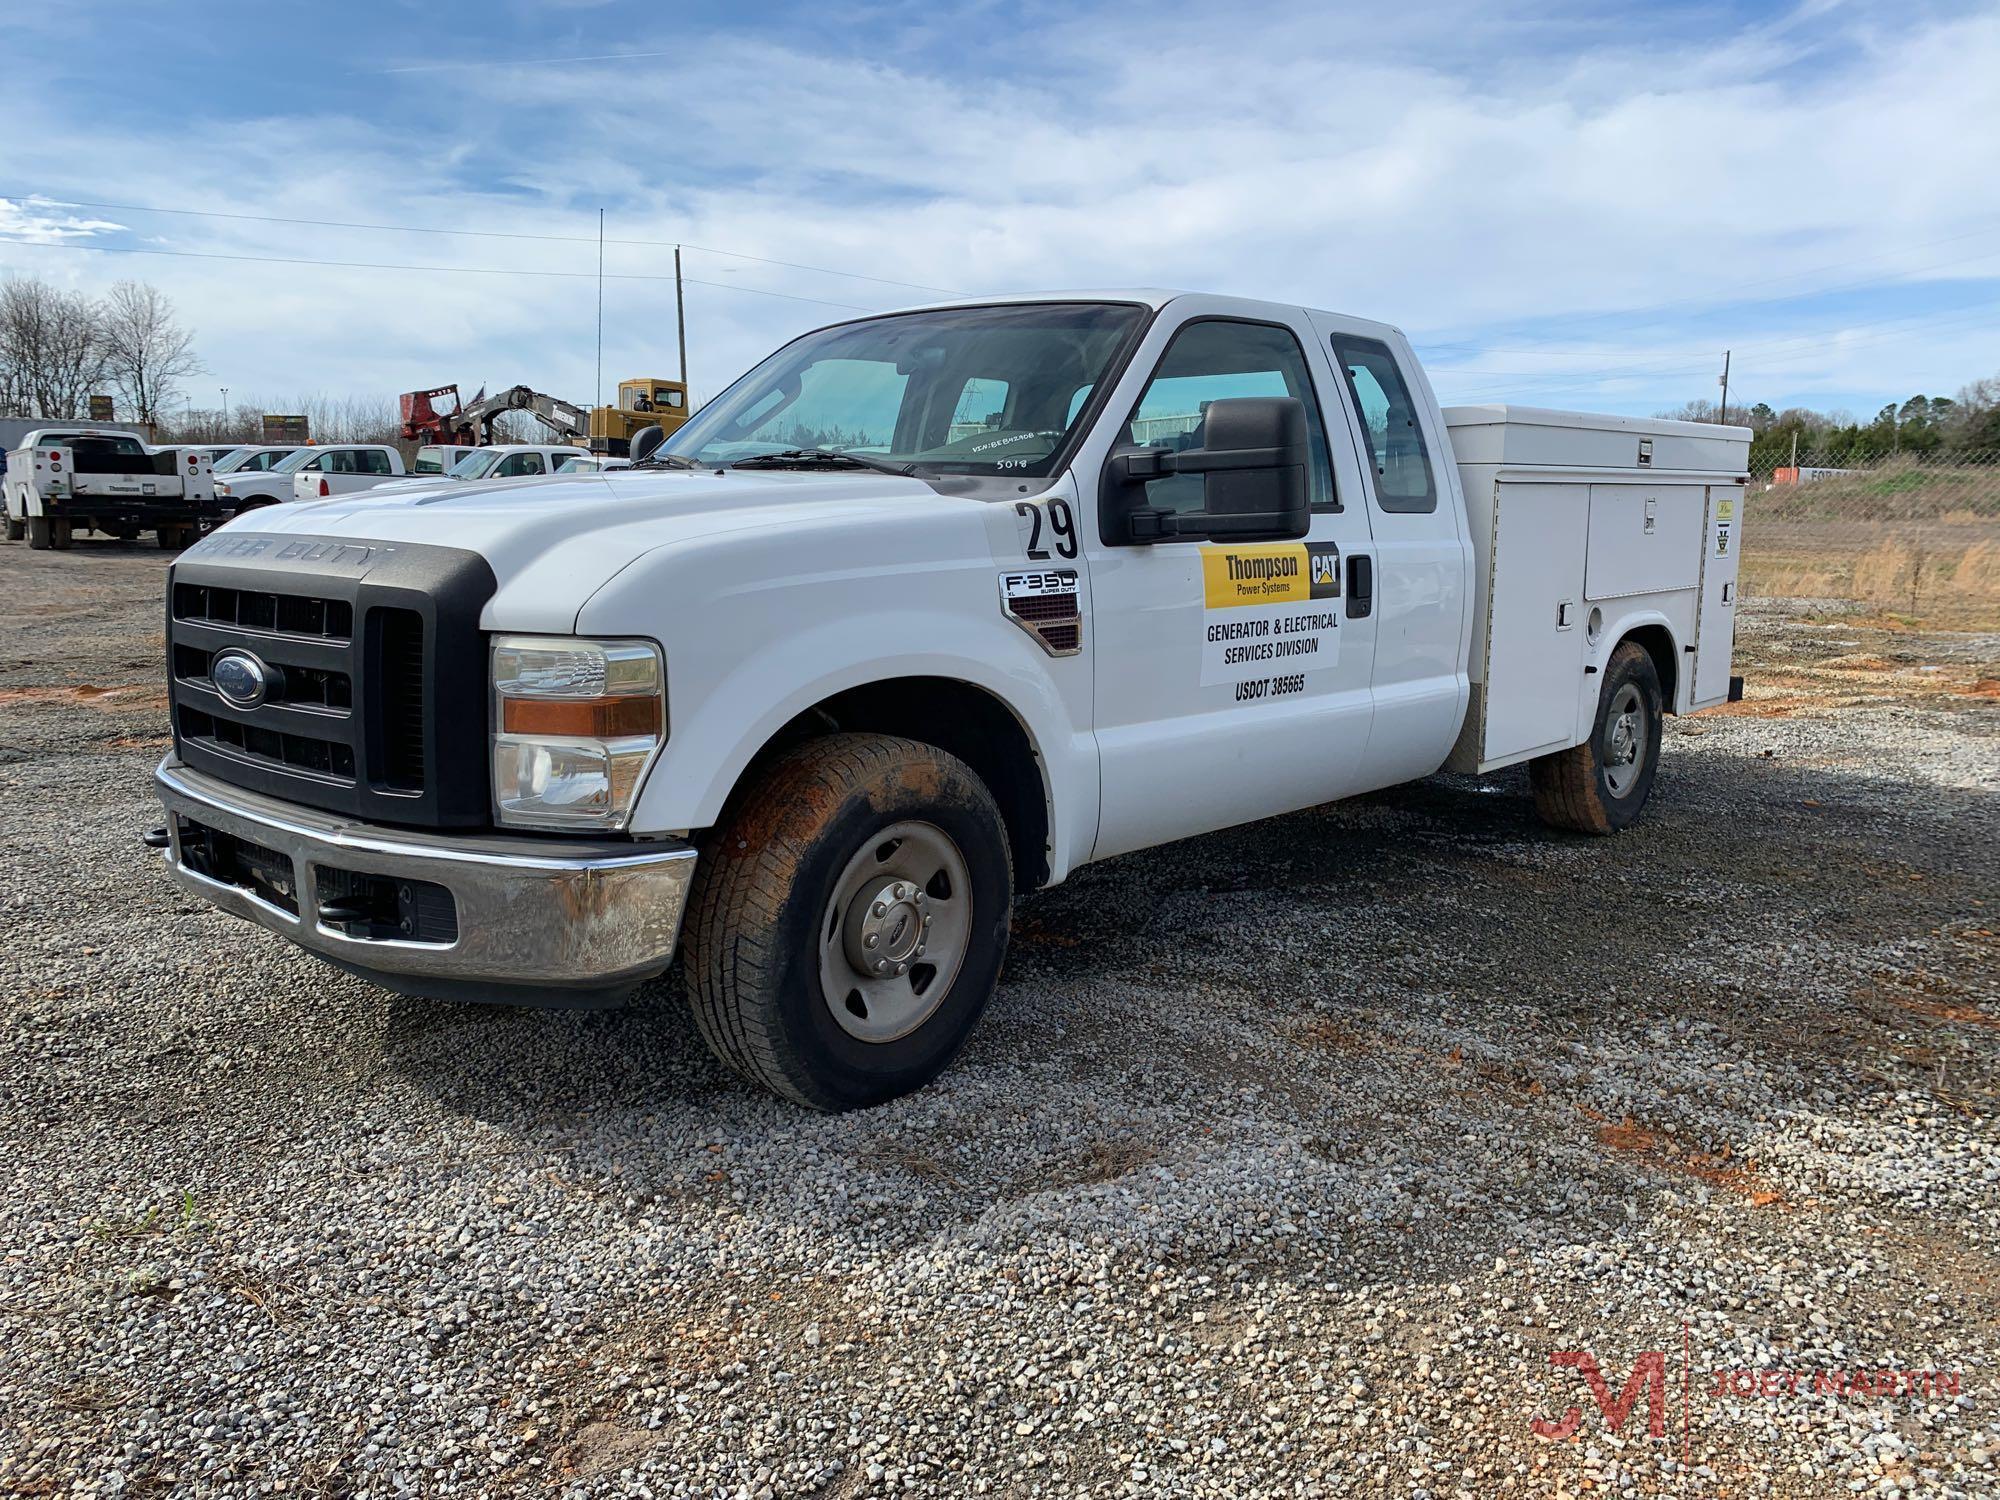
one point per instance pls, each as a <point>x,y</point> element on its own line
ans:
<point>1715,622</point>
<point>1535,632</point>
<point>1644,539</point>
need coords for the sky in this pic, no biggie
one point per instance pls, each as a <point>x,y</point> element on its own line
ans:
<point>1563,204</point>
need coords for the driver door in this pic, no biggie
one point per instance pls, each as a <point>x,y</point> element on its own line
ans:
<point>1233,680</point>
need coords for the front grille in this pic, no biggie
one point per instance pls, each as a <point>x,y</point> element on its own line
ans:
<point>373,670</point>
<point>259,610</point>
<point>399,673</point>
<point>294,752</point>
<point>303,687</point>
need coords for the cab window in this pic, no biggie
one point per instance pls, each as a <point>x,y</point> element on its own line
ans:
<point>1212,360</point>
<point>517,465</point>
<point>1399,461</point>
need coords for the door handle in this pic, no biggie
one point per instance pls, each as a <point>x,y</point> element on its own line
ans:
<point>1360,585</point>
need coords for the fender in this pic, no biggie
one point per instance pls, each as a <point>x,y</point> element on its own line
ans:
<point>1621,618</point>
<point>701,767</point>
<point>762,622</point>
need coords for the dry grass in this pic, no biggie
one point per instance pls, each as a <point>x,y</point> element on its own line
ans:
<point>1917,539</point>
<point>1947,580</point>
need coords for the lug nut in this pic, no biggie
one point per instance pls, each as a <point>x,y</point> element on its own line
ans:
<point>881,908</point>
<point>901,890</point>
<point>902,968</point>
<point>872,939</point>
<point>881,966</point>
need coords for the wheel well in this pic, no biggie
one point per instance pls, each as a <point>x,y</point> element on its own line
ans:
<point>961,720</point>
<point>1659,644</point>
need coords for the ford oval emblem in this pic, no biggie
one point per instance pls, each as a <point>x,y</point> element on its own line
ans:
<point>241,679</point>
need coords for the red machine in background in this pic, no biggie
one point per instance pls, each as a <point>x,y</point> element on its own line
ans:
<point>423,422</point>
<point>471,423</point>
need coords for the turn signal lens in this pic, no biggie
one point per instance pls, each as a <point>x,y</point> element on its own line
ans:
<point>590,718</point>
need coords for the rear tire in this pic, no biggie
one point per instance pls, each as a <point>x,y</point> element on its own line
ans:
<point>172,537</point>
<point>41,533</point>
<point>849,920</point>
<point>16,529</point>
<point>1601,785</point>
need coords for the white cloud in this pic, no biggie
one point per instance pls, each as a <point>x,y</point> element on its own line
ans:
<point>1513,183</point>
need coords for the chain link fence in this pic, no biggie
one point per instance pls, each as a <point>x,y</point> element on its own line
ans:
<point>1908,535</point>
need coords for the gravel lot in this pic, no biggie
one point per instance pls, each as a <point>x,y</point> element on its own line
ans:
<point>1284,1162</point>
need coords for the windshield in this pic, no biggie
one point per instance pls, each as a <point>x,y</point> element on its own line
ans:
<point>254,459</point>
<point>291,463</point>
<point>476,464</point>
<point>963,390</point>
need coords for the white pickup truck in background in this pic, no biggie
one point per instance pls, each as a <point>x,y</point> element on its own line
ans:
<point>62,479</point>
<point>340,469</point>
<point>245,477</point>
<point>499,461</point>
<point>925,612</point>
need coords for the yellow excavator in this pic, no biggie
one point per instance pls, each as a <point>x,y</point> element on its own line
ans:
<point>641,403</point>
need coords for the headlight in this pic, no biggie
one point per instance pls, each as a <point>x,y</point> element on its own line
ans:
<point>576,723</point>
<point>221,486</point>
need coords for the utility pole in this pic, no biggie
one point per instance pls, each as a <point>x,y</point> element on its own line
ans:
<point>600,309</point>
<point>681,322</point>
<point>1722,416</point>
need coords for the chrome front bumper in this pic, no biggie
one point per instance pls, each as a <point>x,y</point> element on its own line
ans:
<point>536,918</point>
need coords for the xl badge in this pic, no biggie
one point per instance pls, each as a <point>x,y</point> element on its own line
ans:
<point>241,679</point>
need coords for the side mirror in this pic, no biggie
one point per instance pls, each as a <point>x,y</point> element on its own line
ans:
<point>645,442</point>
<point>1253,461</point>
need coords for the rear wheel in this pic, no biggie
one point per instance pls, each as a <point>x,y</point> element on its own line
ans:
<point>175,536</point>
<point>849,921</point>
<point>16,529</point>
<point>1601,785</point>
<point>44,533</point>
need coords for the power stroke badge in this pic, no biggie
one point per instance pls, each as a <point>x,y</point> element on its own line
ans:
<point>1270,615</point>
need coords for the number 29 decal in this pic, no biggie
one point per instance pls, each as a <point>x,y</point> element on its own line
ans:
<point>1061,528</point>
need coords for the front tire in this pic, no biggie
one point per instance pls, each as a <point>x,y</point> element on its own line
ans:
<point>1601,785</point>
<point>849,921</point>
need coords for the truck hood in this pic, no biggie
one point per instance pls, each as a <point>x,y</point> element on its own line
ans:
<point>552,543</point>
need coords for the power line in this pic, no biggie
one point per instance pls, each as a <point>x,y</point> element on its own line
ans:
<point>377,265</point>
<point>484,234</point>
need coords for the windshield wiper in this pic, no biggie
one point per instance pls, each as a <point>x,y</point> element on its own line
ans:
<point>792,457</point>
<point>665,461</point>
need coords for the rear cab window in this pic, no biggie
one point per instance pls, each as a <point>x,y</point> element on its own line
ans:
<point>1399,460</point>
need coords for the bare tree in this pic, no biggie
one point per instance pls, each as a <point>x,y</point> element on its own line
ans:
<point>147,351</point>
<point>51,346</point>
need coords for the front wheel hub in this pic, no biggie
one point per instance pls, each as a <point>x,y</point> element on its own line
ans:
<point>896,931</point>
<point>888,928</point>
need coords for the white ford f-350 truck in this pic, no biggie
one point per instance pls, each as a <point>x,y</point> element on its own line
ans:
<point>923,613</point>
